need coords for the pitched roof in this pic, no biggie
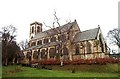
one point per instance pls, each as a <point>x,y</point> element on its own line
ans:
<point>43,45</point>
<point>46,33</point>
<point>86,35</point>
<point>36,23</point>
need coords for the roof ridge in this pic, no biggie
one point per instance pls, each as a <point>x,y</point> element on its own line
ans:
<point>62,29</point>
<point>55,27</point>
<point>89,29</point>
<point>86,35</point>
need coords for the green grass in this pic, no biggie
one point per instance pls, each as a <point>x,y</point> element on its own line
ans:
<point>20,71</point>
<point>109,68</point>
<point>0,71</point>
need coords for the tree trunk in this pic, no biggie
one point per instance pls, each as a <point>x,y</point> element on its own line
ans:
<point>6,61</point>
<point>61,61</point>
<point>13,61</point>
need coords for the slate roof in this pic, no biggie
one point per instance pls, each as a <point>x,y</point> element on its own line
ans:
<point>80,36</point>
<point>43,45</point>
<point>86,35</point>
<point>50,32</point>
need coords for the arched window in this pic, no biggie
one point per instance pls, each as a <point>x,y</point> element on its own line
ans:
<point>39,54</point>
<point>39,42</point>
<point>77,51</point>
<point>82,48</point>
<point>81,45</point>
<point>52,52</point>
<point>38,29</point>
<point>95,45</point>
<point>46,40</point>
<point>28,55</point>
<point>33,43</point>
<point>58,47</point>
<point>43,55</point>
<point>62,38</point>
<point>53,39</point>
<point>35,55</point>
<point>32,29</point>
<point>88,47</point>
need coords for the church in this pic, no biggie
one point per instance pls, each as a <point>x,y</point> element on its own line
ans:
<point>67,42</point>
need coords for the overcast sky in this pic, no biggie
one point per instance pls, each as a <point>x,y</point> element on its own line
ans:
<point>88,13</point>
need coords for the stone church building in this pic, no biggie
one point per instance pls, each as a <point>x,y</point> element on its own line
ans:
<point>66,42</point>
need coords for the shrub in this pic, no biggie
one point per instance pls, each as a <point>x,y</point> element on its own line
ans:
<point>77,61</point>
<point>57,62</point>
<point>82,61</point>
<point>33,62</point>
<point>89,61</point>
<point>67,62</point>
<point>49,62</point>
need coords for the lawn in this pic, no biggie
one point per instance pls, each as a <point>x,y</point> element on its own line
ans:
<point>22,71</point>
<point>0,72</point>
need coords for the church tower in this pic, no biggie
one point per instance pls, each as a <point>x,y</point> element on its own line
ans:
<point>35,28</point>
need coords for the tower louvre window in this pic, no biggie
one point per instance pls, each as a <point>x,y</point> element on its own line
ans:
<point>32,29</point>
<point>38,29</point>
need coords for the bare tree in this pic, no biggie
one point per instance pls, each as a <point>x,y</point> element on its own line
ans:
<point>23,44</point>
<point>114,36</point>
<point>9,45</point>
<point>58,31</point>
<point>8,33</point>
